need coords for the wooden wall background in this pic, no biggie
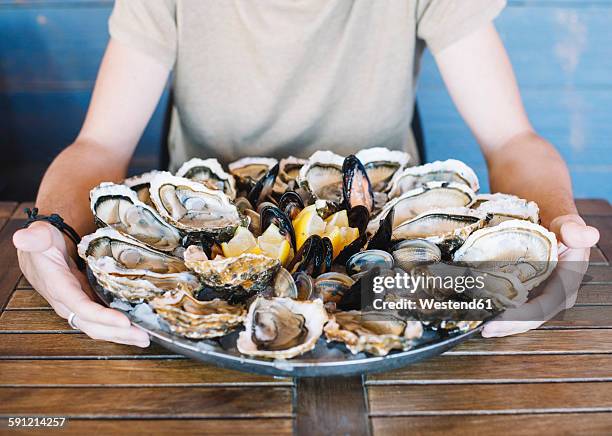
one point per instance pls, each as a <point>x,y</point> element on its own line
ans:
<point>561,49</point>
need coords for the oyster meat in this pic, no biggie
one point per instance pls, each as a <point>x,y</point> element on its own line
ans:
<point>518,247</point>
<point>504,207</point>
<point>381,164</point>
<point>322,176</point>
<point>373,332</point>
<point>194,208</point>
<point>131,270</point>
<point>117,206</point>
<point>281,328</point>
<point>210,173</point>
<point>451,170</point>
<point>234,278</point>
<point>196,319</point>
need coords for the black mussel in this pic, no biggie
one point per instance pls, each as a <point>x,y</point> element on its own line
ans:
<point>309,258</point>
<point>358,217</point>
<point>291,203</point>
<point>351,300</point>
<point>351,249</point>
<point>264,187</point>
<point>270,214</point>
<point>328,255</point>
<point>356,186</point>
<point>381,240</point>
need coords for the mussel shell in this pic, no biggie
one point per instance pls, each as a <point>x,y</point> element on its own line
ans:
<point>264,187</point>
<point>310,258</point>
<point>411,253</point>
<point>270,214</point>
<point>368,260</point>
<point>381,240</point>
<point>356,187</point>
<point>291,203</point>
<point>358,218</point>
<point>304,284</point>
<point>328,255</point>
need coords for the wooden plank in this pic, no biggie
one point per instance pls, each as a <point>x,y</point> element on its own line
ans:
<point>24,284</point>
<point>9,267</point>
<point>500,369</point>
<point>558,424</point>
<point>183,427</point>
<point>33,320</point>
<point>27,299</point>
<point>76,345</point>
<point>598,274</point>
<point>41,373</point>
<point>595,294</point>
<point>594,206</point>
<point>486,398</point>
<point>541,342</point>
<point>332,405</point>
<point>148,402</point>
<point>7,208</point>
<point>582,317</point>
<point>597,257</point>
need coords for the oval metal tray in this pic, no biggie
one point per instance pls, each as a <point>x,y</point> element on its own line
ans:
<point>325,360</point>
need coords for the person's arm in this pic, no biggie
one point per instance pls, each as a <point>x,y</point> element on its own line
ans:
<point>481,82</point>
<point>127,89</point>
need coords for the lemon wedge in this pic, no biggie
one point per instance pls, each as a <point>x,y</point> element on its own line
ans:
<point>308,223</point>
<point>339,219</point>
<point>273,244</point>
<point>242,242</point>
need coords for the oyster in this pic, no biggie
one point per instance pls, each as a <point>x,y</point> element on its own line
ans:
<point>381,164</point>
<point>450,170</point>
<point>196,319</point>
<point>194,208</point>
<point>140,184</point>
<point>448,228</point>
<point>289,170</point>
<point>373,332</point>
<point>433,195</point>
<point>322,176</point>
<point>505,207</point>
<point>281,328</point>
<point>118,206</point>
<point>518,247</point>
<point>249,170</point>
<point>234,278</point>
<point>131,270</point>
<point>210,173</point>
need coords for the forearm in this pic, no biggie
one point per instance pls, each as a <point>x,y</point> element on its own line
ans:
<point>530,167</point>
<point>68,180</point>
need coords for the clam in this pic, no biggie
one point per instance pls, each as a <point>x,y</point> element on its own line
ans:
<point>368,260</point>
<point>322,176</point>
<point>234,279</point>
<point>333,286</point>
<point>305,286</point>
<point>381,164</point>
<point>284,285</point>
<point>518,247</point>
<point>450,170</point>
<point>196,319</point>
<point>117,206</point>
<point>448,228</point>
<point>194,208</point>
<point>504,207</point>
<point>411,253</point>
<point>210,173</point>
<point>281,328</point>
<point>131,270</point>
<point>373,332</point>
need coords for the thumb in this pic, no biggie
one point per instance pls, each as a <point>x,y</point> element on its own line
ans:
<point>573,231</point>
<point>36,238</point>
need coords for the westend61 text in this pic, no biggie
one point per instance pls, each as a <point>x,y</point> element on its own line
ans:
<point>432,304</point>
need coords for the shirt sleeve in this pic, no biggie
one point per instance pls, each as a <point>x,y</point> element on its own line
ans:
<point>443,22</point>
<point>148,26</point>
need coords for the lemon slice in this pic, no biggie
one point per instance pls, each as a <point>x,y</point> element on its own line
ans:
<point>242,242</point>
<point>308,223</point>
<point>340,237</point>
<point>273,244</point>
<point>339,219</point>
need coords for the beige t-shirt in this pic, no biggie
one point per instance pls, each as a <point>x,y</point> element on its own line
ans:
<point>289,77</point>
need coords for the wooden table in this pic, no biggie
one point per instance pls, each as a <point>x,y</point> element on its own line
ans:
<point>557,379</point>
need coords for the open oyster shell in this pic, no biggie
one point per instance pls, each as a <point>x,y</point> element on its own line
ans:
<point>322,176</point>
<point>196,319</point>
<point>381,165</point>
<point>518,247</point>
<point>131,270</point>
<point>506,207</point>
<point>117,206</point>
<point>281,328</point>
<point>373,332</point>
<point>140,184</point>
<point>451,170</point>
<point>194,208</point>
<point>234,278</point>
<point>210,173</point>
<point>249,170</point>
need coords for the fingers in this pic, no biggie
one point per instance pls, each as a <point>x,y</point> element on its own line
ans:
<point>573,231</point>
<point>498,329</point>
<point>122,335</point>
<point>35,239</point>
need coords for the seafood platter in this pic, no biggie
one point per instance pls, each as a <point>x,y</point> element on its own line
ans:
<point>261,266</point>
